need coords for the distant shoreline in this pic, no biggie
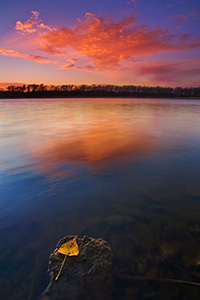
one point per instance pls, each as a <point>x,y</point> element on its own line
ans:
<point>35,96</point>
<point>161,98</point>
<point>98,91</point>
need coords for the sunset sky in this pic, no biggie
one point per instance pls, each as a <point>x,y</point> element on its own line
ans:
<point>139,42</point>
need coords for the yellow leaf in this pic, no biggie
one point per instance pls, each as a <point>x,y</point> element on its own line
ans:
<point>69,248</point>
<point>198,263</point>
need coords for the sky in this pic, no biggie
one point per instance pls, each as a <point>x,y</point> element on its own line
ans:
<point>121,42</point>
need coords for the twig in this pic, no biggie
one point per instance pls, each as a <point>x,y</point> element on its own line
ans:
<point>61,267</point>
<point>164,280</point>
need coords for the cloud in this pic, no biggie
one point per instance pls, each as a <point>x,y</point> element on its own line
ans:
<point>194,14</point>
<point>71,64</point>
<point>171,73</point>
<point>178,20</point>
<point>133,1</point>
<point>35,14</point>
<point>36,58</point>
<point>109,44</point>
<point>89,68</point>
<point>43,26</point>
<point>68,66</point>
<point>72,60</point>
<point>28,26</point>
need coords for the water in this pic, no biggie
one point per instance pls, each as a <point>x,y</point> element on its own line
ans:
<point>126,170</point>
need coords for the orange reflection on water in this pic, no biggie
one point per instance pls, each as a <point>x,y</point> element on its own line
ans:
<point>100,139</point>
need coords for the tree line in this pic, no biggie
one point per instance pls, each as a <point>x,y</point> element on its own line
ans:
<point>97,90</point>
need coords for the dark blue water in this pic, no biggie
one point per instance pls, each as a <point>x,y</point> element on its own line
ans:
<point>126,170</point>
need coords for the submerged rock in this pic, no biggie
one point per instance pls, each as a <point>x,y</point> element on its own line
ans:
<point>87,276</point>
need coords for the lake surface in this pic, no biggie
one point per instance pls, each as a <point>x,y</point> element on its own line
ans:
<point>126,170</point>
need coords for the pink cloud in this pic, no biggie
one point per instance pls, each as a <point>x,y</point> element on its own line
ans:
<point>131,2</point>
<point>170,73</point>
<point>194,14</point>
<point>89,68</point>
<point>36,58</point>
<point>180,19</point>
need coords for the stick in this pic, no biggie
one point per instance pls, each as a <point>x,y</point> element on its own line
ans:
<point>61,267</point>
<point>164,280</point>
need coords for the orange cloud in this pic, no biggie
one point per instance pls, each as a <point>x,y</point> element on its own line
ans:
<point>108,44</point>
<point>36,58</point>
<point>100,44</point>
<point>72,60</point>
<point>68,66</point>
<point>28,26</point>
<point>43,26</point>
<point>35,14</point>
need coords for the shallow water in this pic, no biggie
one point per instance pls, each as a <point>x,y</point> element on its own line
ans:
<point>126,170</point>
